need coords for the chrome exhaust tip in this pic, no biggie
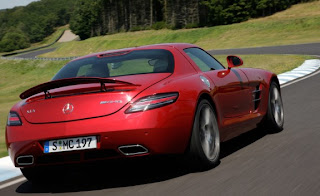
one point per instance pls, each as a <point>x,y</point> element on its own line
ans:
<point>25,160</point>
<point>130,150</point>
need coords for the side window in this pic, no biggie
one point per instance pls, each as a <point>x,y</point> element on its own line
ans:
<point>202,59</point>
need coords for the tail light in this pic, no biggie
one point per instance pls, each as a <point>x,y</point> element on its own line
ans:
<point>152,102</point>
<point>14,119</point>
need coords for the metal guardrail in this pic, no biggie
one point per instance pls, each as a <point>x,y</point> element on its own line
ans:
<point>44,59</point>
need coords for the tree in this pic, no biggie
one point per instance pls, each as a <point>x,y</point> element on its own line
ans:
<point>14,41</point>
<point>85,17</point>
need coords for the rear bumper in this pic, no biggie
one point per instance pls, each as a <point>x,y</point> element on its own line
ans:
<point>164,130</point>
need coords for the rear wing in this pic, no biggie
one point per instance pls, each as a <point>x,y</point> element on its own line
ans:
<point>69,82</point>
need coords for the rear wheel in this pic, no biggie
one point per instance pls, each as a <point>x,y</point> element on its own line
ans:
<point>40,175</point>
<point>32,174</point>
<point>205,141</point>
<point>275,115</point>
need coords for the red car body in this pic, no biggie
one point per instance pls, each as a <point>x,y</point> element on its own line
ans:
<point>239,97</point>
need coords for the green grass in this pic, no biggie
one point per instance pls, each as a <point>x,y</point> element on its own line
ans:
<point>275,63</point>
<point>299,24</point>
<point>19,75</point>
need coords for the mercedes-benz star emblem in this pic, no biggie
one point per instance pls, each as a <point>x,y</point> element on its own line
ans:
<point>68,108</point>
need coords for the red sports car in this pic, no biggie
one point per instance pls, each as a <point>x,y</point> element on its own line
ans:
<point>149,100</point>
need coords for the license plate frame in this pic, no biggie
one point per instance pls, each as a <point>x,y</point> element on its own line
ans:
<point>70,144</point>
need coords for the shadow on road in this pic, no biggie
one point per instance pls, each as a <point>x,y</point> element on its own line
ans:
<point>131,172</point>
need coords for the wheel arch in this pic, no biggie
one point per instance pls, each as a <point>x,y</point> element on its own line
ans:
<point>206,96</point>
<point>275,79</point>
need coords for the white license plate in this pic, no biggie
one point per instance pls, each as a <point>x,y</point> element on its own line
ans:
<point>69,144</point>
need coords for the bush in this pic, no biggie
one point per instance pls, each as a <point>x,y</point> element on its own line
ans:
<point>14,41</point>
<point>159,25</point>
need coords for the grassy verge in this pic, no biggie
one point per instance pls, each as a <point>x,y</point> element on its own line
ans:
<point>299,24</point>
<point>19,75</point>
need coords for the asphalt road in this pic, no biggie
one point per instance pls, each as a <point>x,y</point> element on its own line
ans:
<point>307,49</point>
<point>256,163</point>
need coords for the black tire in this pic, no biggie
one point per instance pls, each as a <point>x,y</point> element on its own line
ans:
<point>33,175</point>
<point>205,140</point>
<point>274,120</point>
<point>40,175</point>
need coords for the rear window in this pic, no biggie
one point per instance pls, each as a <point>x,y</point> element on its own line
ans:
<point>119,64</point>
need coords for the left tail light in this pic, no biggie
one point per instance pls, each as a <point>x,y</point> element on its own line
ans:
<point>14,119</point>
<point>152,102</point>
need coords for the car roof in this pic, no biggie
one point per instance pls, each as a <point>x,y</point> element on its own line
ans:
<point>146,47</point>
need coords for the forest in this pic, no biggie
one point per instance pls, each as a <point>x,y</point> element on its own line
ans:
<point>21,26</point>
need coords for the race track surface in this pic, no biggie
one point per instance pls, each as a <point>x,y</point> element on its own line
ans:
<point>256,163</point>
<point>306,49</point>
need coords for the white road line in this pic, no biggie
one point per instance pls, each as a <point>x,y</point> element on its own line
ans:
<point>12,182</point>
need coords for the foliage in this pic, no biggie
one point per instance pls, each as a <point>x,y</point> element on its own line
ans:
<point>85,16</point>
<point>14,40</point>
<point>32,23</point>
<point>100,17</point>
<point>297,25</point>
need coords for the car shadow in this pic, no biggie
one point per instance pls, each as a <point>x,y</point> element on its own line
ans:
<point>129,172</point>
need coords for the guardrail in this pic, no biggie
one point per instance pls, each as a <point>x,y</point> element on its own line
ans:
<point>44,59</point>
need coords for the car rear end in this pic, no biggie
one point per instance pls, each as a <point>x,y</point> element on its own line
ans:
<point>81,116</point>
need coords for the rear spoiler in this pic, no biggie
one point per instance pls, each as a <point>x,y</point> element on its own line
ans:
<point>69,82</point>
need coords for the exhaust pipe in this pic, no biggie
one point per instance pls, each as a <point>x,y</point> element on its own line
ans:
<point>25,160</point>
<point>136,149</point>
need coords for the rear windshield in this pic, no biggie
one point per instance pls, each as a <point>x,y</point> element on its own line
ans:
<point>119,64</point>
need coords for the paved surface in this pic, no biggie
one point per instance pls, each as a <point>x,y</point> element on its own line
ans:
<point>35,53</point>
<point>307,49</point>
<point>68,36</point>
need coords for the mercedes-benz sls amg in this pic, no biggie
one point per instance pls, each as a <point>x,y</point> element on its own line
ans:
<point>142,101</point>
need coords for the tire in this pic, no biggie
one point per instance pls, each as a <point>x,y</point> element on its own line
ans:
<point>33,175</point>
<point>40,175</point>
<point>205,140</point>
<point>275,115</point>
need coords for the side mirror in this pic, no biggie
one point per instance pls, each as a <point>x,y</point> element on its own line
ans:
<point>234,61</point>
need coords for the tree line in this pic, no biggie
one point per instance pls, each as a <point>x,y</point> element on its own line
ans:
<point>100,17</point>
<point>21,26</point>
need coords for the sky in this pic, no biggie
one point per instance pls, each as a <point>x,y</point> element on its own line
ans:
<point>4,4</point>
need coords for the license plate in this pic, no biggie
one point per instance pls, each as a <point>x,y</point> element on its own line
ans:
<point>69,144</point>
